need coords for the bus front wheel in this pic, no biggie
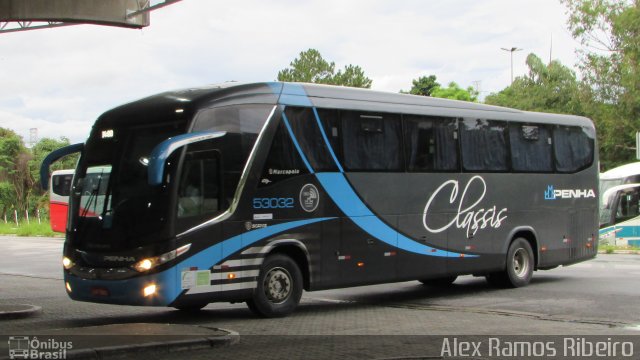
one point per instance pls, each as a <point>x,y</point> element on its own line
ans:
<point>520,264</point>
<point>279,287</point>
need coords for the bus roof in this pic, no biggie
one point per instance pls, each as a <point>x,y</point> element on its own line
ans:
<point>621,171</point>
<point>329,96</point>
<point>63,172</point>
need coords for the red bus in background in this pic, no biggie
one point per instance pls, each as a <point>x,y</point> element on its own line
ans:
<point>59,190</point>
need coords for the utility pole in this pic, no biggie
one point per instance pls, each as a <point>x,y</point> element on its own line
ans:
<point>551,49</point>
<point>33,136</point>
<point>512,50</point>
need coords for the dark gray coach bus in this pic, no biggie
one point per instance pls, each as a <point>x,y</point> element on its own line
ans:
<point>254,192</point>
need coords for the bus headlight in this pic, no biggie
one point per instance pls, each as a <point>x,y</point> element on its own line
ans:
<point>151,262</point>
<point>67,263</point>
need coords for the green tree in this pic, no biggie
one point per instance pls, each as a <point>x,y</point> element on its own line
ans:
<point>14,173</point>
<point>352,76</point>
<point>310,67</point>
<point>546,88</point>
<point>41,149</point>
<point>423,85</point>
<point>455,92</point>
<point>428,86</point>
<point>609,31</point>
<point>19,169</point>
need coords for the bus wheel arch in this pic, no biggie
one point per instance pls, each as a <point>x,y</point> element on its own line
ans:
<point>520,262</point>
<point>530,235</point>
<point>299,255</point>
<point>279,287</point>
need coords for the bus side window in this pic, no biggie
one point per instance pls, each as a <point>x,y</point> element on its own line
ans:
<point>306,130</point>
<point>283,160</point>
<point>484,145</point>
<point>199,191</point>
<point>530,148</point>
<point>573,148</point>
<point>431,144</point>
<point>61,184</point>
<point>628,206</point>
<point>371,141</point>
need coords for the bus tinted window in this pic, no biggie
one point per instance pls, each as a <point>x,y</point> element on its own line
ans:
<point>242,124</point>
<point>573,148</point>
<point>431,144</point>
<point>199,190</point>
<point>330,120</point>
<point>307,132</point>
<point>371,141</point>
<point>628,206</point>
<point>244,121</point>
<point>530,148</point>
<point>283,161</point>
<point>61,184</point>
<point>484,145</point>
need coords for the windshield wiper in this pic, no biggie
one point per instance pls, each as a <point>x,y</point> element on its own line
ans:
<point>92,195</point>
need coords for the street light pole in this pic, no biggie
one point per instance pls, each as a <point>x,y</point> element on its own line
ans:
<point>511,50</point>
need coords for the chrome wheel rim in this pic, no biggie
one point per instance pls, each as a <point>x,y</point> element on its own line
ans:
<point>521,263</point>
<point>277,285</point>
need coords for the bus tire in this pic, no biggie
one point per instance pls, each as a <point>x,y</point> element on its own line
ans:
<point>520,264</point>
<point>279,287</point>
<point>440,282</point>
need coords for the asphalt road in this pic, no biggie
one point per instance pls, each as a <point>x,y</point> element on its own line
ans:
<point>598,297</point>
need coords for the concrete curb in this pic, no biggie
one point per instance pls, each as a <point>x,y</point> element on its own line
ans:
<point>127,345</point>
<point>121,351</point>
<point>8,312</point>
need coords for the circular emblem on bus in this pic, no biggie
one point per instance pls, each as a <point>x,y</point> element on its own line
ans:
<point>309,198</point>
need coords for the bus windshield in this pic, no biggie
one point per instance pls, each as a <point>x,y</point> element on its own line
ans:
<point>115,208</point>
<point>112,204</point>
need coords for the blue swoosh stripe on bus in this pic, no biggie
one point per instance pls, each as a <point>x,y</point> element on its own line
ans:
<point>294,94</point>
<point>218,252</point>
<point>341,192</point>
<point>295,142</point>
<point>326,140</point>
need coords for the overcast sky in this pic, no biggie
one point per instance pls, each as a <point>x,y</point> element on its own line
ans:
<point>60,80</point>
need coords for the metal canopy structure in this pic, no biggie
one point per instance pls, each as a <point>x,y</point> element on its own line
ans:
<point>21,15</point>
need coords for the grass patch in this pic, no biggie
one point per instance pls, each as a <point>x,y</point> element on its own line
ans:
<point>610,249</point>
<point>24,229</point>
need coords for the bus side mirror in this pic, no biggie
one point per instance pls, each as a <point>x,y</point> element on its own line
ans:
<point>53,157</point>
<point>162,151</point>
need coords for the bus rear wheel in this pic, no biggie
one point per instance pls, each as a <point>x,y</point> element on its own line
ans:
<point>519,270</point>
<point>279,287</point>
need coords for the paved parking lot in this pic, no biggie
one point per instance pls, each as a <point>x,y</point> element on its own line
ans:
<point>593,298</point>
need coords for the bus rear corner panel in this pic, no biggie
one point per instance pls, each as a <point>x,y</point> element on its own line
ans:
<point>583,236</point>
<point>576,242</point>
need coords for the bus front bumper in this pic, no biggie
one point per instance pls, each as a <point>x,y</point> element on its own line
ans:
<point>159,289</point>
